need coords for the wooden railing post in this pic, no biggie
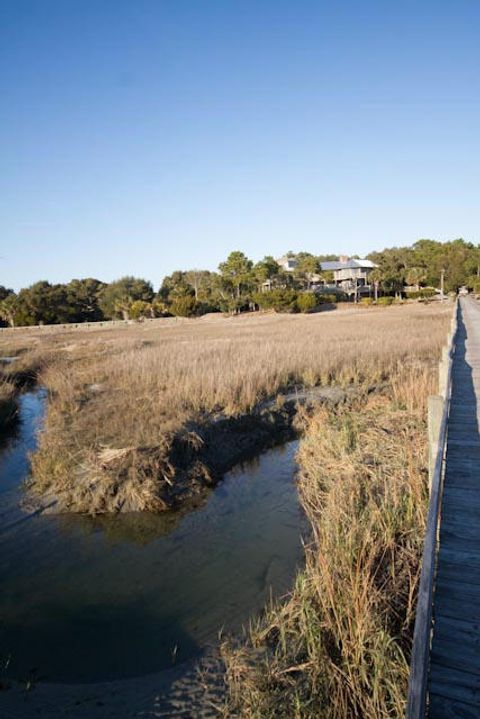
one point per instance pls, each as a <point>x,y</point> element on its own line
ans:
<point>435,413</point>
<point>443,371</point>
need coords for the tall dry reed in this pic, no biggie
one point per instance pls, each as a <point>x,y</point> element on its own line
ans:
<point>339,646</point>
<point>131,387</point>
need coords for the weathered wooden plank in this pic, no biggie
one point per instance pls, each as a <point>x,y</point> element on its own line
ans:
<point>446,654</point>
<point>465,421</point>
<point>453,570</point>
<point>458,508</point>
<point>459,531</point>
<point>454,684</point>
<point>457,644</point>
<point>470,495</point>
<point>464,557</point>
<point>453,517</point>
<point>463,474</point>
<point>456,606</point>
<point>467,632</point>
<point>451,589</point>
<point>463,438</point>
<point>469,426</point>
<point>442,708</point>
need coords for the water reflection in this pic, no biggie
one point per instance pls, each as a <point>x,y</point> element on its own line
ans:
<point>91,599</point>
<point>140,528</point>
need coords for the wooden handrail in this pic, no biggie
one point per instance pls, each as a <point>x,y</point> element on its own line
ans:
<point>419,666</point>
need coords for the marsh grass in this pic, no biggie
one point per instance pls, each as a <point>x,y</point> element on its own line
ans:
<point>141,385</point>
<point>339,646</point>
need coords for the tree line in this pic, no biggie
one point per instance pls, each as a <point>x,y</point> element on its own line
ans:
<point>424,263</point>
<point>238,285</point>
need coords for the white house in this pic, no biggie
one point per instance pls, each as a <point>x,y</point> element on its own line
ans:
<point>350,275</point>
<point>287,263</point>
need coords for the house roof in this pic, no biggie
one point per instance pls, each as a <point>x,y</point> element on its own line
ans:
<point>286,258</point>
<point>349,265</point>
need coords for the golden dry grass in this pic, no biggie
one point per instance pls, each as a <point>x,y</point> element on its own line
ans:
<point>136,386</point>
<point>168,368</point>
<point>339,646</point>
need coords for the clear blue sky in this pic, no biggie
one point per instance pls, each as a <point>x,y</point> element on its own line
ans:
<point>144,136</point>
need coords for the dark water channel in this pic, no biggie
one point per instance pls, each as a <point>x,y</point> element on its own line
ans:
<point>85,600</point>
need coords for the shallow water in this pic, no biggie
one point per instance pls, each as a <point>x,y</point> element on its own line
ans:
<point>85,600</point>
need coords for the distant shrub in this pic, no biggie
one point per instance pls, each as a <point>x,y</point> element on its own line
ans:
<point>285,301</point>
<point>423,294</point>
<point>140,309</point>
<point>329,299</point>
<point>183,306</point>
<point>204,308</point>
<point>160,309</point>
<point>280,300</point>
<point>366,301</point>
<point>384,301</point>
<point>232,305</point>
<point>474,285</point>
<point>262,300</point>
<point>307,301</point>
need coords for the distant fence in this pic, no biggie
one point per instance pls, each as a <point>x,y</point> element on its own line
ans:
<point>70,326</point>
<point>101,324</point>
<point>438,411</point>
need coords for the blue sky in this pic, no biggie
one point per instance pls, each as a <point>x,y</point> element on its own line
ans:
<point>143,137</point>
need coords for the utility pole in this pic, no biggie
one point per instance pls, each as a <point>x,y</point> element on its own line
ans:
<point>442,284</point>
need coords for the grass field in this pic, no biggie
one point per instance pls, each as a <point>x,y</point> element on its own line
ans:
<point>339,645</point>
<point>142,377</point>
<point>119,397</point>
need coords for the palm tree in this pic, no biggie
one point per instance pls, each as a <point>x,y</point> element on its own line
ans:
<point>415,276</point>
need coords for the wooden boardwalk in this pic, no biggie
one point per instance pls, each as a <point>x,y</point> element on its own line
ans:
<point>454,678</point>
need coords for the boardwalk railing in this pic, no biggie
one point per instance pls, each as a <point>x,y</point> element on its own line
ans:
<point>438,410</point>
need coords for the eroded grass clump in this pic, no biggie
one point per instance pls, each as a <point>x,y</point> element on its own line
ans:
<point>339,645</point>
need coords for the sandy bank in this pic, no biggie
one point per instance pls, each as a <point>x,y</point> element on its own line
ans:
<point>191,690</point>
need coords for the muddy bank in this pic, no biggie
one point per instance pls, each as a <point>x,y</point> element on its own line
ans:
<point>185,465</point>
